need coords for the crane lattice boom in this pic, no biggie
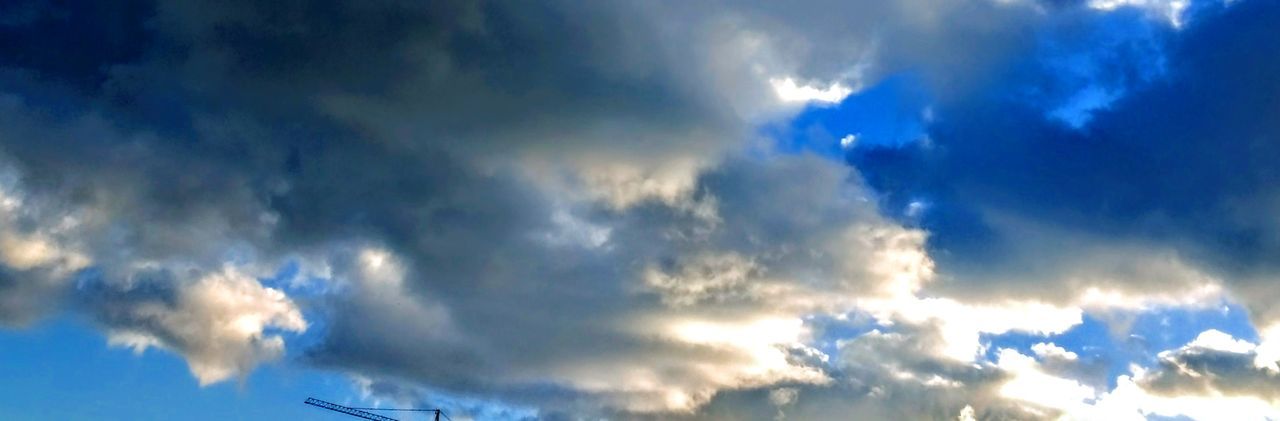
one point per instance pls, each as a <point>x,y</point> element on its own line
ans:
<point>347,410</point>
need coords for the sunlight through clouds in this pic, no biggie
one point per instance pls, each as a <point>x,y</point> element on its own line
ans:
<point>729,210</point>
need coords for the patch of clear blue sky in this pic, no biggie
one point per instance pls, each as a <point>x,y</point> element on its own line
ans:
<point>62,369</point>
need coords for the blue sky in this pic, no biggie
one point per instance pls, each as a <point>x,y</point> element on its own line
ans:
<point>62,369</point>
<point>966,209</point>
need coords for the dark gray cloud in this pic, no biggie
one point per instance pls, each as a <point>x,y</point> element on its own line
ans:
<point>573,315</point>
<point>425,157</point>
<point>1213,364</point>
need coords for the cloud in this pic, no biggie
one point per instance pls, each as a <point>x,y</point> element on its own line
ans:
<point>168,265</point>
<point>789,91</point>
<point>1211,378</point>
<point>570,207</point>
<point>36,264</point>
<point>1172,10</point>
<point>669,310</point>
<point>219,323</point>
<point>1051,351</point>
<point>887,375</point>
<point>1211,365</point>
<point>1029,384</point>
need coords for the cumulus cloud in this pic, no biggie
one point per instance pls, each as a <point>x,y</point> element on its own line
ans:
<point>219,322</point>
<point>661,320</point>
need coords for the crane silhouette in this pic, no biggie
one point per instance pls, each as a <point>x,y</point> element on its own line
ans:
<point>364,412</point>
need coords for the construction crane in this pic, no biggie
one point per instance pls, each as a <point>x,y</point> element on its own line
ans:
<point>364,412</point>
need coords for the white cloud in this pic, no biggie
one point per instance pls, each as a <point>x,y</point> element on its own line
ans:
<point>761,347</point>
<point>848,140</point>
<point>1031,384</point>
<point>1170,10</point>
<point>961,325</point>
<point>1217,340</point>
<point>1268,351</point>
<point>1129,400</point>
<point>788,90</point>
<point>221,324</point>
<point>1206,294</point>
<point>1049,350</point>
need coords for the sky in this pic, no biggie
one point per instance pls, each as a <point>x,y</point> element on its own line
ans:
<point>661,210</point>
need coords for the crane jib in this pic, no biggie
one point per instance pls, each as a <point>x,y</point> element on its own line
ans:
<point>347,410</point>
<point>362,413</point>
